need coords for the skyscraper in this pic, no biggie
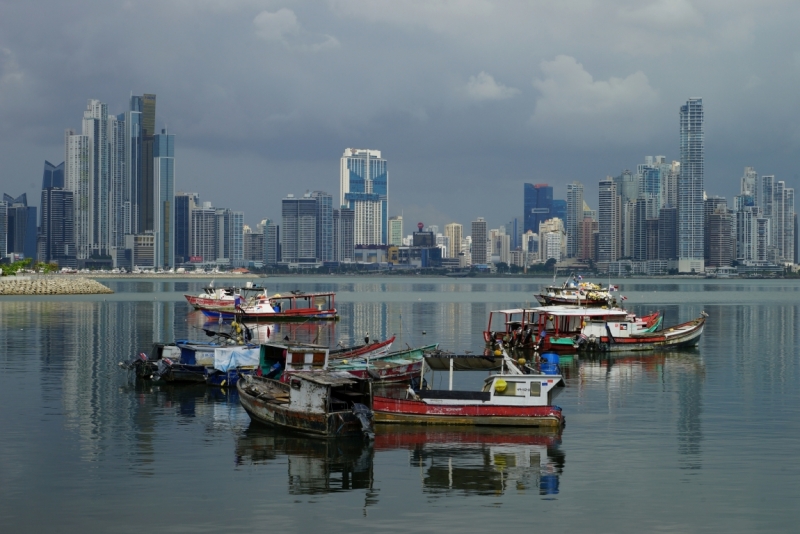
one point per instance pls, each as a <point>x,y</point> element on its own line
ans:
<point>343,235</point>
<point>77,180</point>
<point>164,199</point>
<point>574,216</point>
<point>324,225</point>
<point>146,105</point>
<point>56,230</point>
<point>21,228</point>
<point>184,204</point>
<point>364,188</point>
<point>454,233</point>
<point>690,188</point>
<point>538,204</point>
<point>479,242</point>
<point>299,232</point>
<point>609,242</point>
<point>396,231</point>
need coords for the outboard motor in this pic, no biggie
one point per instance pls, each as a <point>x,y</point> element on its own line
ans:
<point>549,365</point>
<point>364,415</point>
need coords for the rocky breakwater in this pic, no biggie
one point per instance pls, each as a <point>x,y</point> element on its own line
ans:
<point>51,285</point>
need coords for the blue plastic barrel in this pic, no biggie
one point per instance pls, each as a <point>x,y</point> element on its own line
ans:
<point>549,365</point>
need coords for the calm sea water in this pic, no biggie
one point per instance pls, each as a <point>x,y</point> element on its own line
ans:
<point>697,441</point>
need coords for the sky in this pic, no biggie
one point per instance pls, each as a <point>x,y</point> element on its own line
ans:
<point>467,100</point>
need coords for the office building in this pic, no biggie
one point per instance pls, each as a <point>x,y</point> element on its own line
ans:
<point>454,233</point>
<point>690,188</point>
<point>668,233</point>
<point>364,188</point>
<point>254,245</point>
<point>480,242</point>
<point>538,205</point>
<point>272,243</point>
<point>719,224</point>
<point>587,236</point>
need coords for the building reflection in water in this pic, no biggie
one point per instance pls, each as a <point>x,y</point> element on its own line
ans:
<point>314,465</point>
<point>479,460</point>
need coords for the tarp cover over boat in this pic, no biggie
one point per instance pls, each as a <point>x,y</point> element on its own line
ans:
<point>230,358</point>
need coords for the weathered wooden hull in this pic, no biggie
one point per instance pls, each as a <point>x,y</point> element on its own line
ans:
<point>389,373</point>
<point>200,303</point>
<point>330,425</point>
<point>399,366</point>
<point>372,350</point>
<point>389,410</point>
<point>677,337</point>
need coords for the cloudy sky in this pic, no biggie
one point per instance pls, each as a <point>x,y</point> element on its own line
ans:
<point>466,99</point>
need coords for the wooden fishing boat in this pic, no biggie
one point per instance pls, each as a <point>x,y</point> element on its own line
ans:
<point>323,403</point>
<point>571,329</point>
<point>367,350</point>
<point>294,306</point>
<point>209,362</point>
<point>577,294</point>
<point>216,299</point>
<point>397,366</point>
<point>509,398</point>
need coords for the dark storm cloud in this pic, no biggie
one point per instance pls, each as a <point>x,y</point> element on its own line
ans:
<point>466,99</point>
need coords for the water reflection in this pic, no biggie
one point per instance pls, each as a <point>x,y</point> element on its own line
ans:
<point>479,461</point>
<point>314,465</point>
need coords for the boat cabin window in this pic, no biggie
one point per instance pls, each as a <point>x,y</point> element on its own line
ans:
<point>536,389</point>
<point>511,389</point>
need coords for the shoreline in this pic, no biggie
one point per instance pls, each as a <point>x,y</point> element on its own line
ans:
<point>51,285</point>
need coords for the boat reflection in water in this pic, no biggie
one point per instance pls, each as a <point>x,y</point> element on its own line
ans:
<point>481,460</point>
<point>315,465</point>
<point>629,367</point>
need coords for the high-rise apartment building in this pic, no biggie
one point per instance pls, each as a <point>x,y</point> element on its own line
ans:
<point>299,229</point>
<point>668,233</point>
<point>324,225</point>
<point>184,204</point>
<point>344,249</point>
<point>574,217</point>
<point>396,231</point>
<point>147,193</point>
<point>164,199</point>
<point>609,219</point>
<point>364,188</point>
<point>690,188</point>
<point>272,243</point>
<point>57,240</point>
<point>21,226</point>
<point>203,243</point>
<point>783,223</point>
<point>538,205</point>
<point>454,233</point>
<point>479,242</point>
<point>552,240</point>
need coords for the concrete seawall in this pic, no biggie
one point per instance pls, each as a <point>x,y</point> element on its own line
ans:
<point>50,285</point>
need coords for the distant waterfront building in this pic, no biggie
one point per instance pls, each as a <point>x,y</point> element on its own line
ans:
<point>184,204</point>
<point>608,243</point>
<point>552,240</point>
<point>57,239</point>
<point>203,242</point>
<point>538,205</point>
<point>272,243</point>
<point>396,231</point>
<point>364,188</point>
<point>668,233</point>
<point>344,235</point>
<point>164,200</point>
<point>21,226</point>
<point>587,230</point>
<point>299,235</point>
<point>479,242</point>
<point>574,217</point>
<point>719,225</point>
<point>690,188</point>
<point>253,245</point>
<point>454,233</point>
<point>324,225</point>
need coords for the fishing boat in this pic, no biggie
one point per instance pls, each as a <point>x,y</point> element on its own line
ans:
<point>216,299</point>
<point>294,306</point>
<point>574,292</point>
<point>397,366</point>
<point>516,396</point>
<point>367,350</point>
<point>571,329</point>
<point>323,403</point>
<point>212,363</point>
<point>145,365</point>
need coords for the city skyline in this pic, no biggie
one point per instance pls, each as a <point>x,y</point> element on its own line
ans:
<point>544,96</point>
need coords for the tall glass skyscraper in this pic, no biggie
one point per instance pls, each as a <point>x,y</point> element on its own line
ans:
<point>364,188</point>
<point>690,188</point>
<point>538,200</point>
<point>164,204</point>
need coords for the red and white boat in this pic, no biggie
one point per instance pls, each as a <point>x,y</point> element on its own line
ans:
<point>573,329</point>
<point>293,306</point>
<point>509,398</point>
<point>222,299</point>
